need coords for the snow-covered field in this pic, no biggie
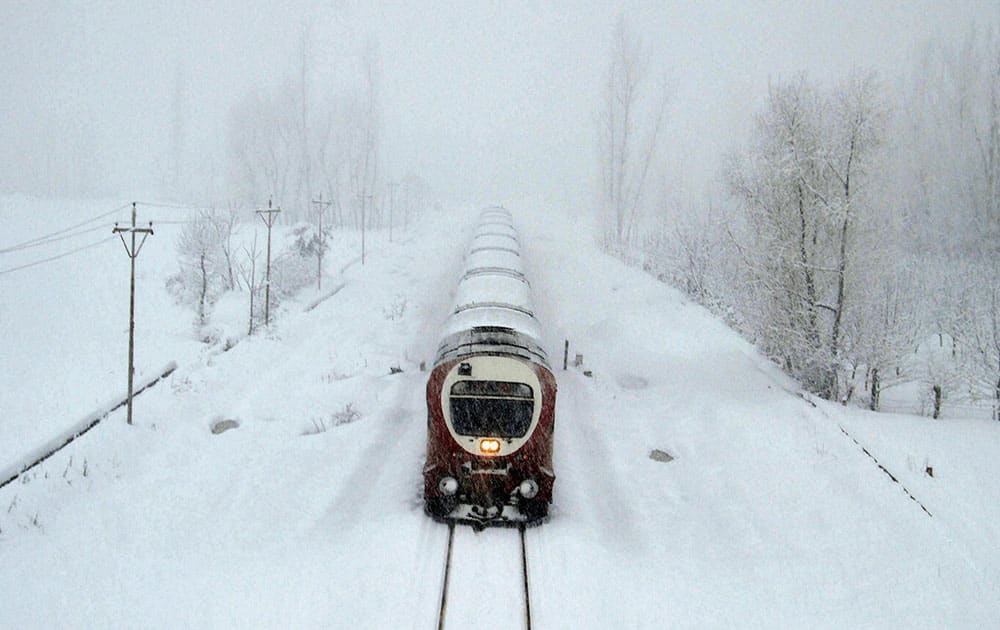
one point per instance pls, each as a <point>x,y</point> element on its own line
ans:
<point>769,515</point>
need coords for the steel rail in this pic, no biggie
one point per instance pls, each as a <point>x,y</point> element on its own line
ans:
<point>447,573</point>
<point>525,583</point>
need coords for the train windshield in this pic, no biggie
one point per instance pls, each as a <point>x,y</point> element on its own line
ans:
<point>491,408</point>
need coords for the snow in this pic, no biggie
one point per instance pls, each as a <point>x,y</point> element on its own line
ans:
<point>81,426</point>
<point>486,581</point>
<point>769,516</point>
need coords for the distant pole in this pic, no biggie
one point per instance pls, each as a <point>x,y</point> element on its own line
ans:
<point>268,216</point>
<point>322,242</point>
<point>406,207</point>
<point>363,200</point>
<point>133,253</point>
<point>392,204</point>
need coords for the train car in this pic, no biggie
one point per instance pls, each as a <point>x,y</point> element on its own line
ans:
<point>491,395</point>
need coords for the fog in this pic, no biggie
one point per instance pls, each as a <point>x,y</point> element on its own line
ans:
<point>485,101</point>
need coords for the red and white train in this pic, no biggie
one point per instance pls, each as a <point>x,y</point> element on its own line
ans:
<point>491,395</point>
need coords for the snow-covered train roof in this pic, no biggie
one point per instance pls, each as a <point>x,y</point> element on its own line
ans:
<point>495,240</point>
<point>495,259</point>
<point>493,311</point>
<point>493,287</point>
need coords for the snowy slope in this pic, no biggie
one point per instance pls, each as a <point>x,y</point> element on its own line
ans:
<point>768,517</point>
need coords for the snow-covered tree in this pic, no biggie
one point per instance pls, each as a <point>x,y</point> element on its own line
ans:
<point>982,339</point>
<point>687,247</point>
<point>202,276</point>
<point>806,194</point>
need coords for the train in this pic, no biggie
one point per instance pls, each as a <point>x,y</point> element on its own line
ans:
<point>491,395</point>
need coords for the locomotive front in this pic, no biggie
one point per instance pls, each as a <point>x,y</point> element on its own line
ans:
<point>491,396</point>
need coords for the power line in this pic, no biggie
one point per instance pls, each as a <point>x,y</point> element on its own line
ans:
<point>171,206</point>
<point>56,239</point>
<point>57,257</point>
<point>177,206</point>
<point>62,231</point>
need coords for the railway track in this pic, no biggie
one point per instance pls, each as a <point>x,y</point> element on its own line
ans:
<point>485,578</point>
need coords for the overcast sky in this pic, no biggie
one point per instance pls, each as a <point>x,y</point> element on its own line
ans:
<point>486,100</point>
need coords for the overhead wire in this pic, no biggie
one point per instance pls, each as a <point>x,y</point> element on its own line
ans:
<point>67,232</point>
<point>173,206</point>
<point>56,239</point>
<point>28,243</point>
<point>57,257</point>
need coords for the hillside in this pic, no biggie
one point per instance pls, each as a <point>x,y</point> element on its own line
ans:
<point>309,515</point>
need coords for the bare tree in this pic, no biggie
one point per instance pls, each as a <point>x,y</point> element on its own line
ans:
<point>261,146</point>
<point>629,122</point>
<point>178,129</point>
<point>225,225</point>
<point>305,185</point>
<point>952,191</point>
<point>248,273</point>
<point>319,131</point>
<point>365,120</point>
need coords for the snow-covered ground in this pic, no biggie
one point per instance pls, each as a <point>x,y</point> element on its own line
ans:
<point>769,515</point>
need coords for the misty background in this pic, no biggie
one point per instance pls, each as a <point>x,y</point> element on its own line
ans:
<point>822,176</point>
<point>484,101</point>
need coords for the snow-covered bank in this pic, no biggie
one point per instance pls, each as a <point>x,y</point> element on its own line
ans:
<point>39,454</point>
<point>767,517</point>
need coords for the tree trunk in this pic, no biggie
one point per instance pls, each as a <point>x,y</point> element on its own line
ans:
<point>204,291</point>
<point>996,400</point>
<point>873,404</point>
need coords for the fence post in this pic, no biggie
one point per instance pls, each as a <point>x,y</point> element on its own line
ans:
<point>873,405</point>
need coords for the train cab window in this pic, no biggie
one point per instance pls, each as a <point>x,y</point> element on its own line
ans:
<point>491,408</point>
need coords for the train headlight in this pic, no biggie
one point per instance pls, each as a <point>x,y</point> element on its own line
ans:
<point>528,488</point>
<point>448,486</point>
<point>489,446</point>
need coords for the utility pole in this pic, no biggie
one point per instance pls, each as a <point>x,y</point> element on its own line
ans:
<point>392,204</point>
<point>363,199</point>
<point>406,206</point>
<point>132,252</point>
<point>322,241</point>
<point>268,216</point>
